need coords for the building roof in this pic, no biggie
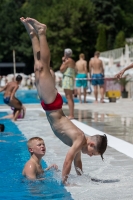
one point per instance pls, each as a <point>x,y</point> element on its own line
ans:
<point>11,64</point>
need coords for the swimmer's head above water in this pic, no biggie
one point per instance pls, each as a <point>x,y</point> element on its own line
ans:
<point>2,127</point>
<point>19,78</point>
<point>67,53</point>
<point>36,146</point>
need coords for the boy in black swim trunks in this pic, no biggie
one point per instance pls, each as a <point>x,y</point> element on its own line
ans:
<point>51,101</point>
<point>9,95</point>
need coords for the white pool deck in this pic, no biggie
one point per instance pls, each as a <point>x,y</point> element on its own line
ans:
<point>115,173</point>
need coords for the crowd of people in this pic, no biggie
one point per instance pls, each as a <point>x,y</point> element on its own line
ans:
<point>26,83</point>
<point>52,102</point>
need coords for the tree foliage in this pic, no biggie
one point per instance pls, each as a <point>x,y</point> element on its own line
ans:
<point>120,40</point>
<point>116,16</point>
<point>101,44</point>
<point>83,26</point>
<point>70,24</point>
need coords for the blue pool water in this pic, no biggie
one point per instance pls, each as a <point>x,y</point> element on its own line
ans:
<point>14,155</point>
<point>31,96</point>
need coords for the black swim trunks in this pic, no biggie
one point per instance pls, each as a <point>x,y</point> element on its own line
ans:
<point>6,100</point>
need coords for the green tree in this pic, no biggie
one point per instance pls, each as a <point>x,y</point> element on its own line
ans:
<point>10,28</point>
<point>70,24</point>
<point>11,33</point>
<point>120,40</point>
<point>125,18</point>
<point>101,44</point>
<point>116,16</point>
<point>74,24</point>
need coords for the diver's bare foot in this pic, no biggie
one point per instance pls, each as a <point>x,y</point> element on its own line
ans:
<point>39,27</point>
<point>102,101</point>
<point>28,26</point>
<point>95,101</point>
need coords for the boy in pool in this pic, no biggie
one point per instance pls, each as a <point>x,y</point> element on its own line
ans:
<point>33,169</point>
<point>9,96</point>
<point>2,127</point>
<point>51,102</point>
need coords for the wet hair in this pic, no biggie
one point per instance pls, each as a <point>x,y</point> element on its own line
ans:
<point>18,78</point>
<point>68,52</point>
<point>97,53</point>
<point>2,127</point>
<point>101,144</point>
<point>32,139</point>
<point>82,55</point>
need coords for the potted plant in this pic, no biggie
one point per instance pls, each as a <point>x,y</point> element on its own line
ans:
<point>123,82</point>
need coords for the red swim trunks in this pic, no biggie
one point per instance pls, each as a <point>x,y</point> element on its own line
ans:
<point>57,104</point>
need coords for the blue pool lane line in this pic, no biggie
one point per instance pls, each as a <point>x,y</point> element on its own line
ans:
<point>14,155</point>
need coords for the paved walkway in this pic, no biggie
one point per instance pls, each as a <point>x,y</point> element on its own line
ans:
<point>123,107</point>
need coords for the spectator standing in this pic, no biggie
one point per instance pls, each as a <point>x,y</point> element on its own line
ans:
<point>97,76</point>
<point>81,77</point>
<point>68,70</point>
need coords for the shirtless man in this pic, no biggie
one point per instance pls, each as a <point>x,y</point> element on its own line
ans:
<point>33,169</point>
<point>81,67</point>
<point>9,95</point>
<point>97,75</point>
<point>51,102</point>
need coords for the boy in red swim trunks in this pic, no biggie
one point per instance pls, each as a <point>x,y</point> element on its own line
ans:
<point>51,101</point>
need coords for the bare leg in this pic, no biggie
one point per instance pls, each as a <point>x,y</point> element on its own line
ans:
<point>17,113</point>
<point>36,47</point>
<point>79,93</point>
<point>34,39</point>
<point>7,117</point>
<point>96,93</point>
<point>69,96</point>
<point>102,93</point>
<point>44,49</point>
<point>23,111</point>
<point>95,116</point>
<point>14,103</point>
<point>44,81</point>
<point>84,95</point>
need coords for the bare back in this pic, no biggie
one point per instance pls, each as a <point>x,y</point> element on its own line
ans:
<point>81,66</point>
<point>96,65</point>
<point>10,87</point>
<point>70,62</point>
